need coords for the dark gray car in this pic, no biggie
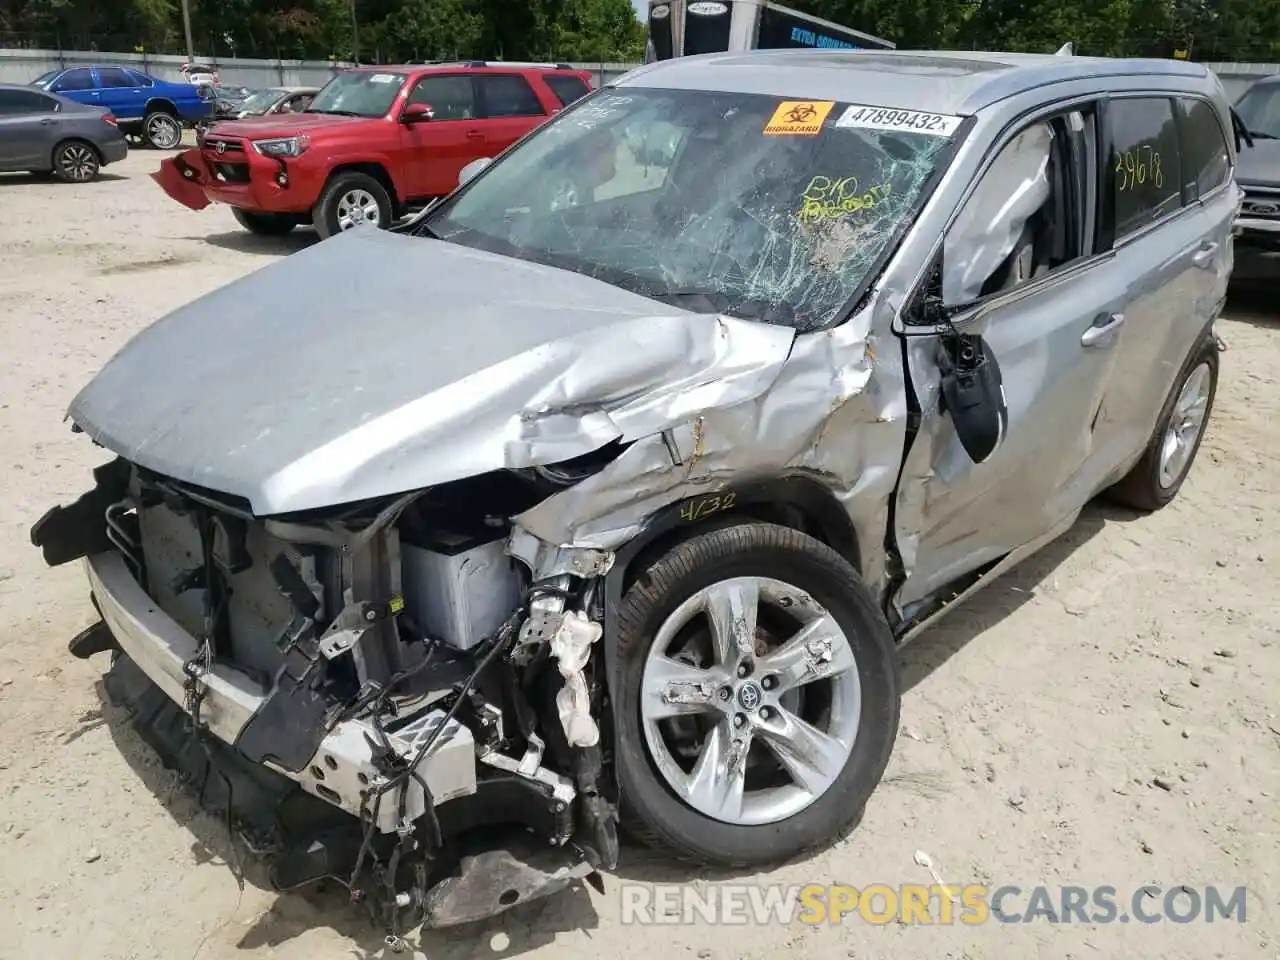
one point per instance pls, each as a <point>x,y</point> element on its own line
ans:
<point>1258,169</point>
<point>43,132</point>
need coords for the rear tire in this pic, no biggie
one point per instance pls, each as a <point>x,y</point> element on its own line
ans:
<point>349,201</point>
<point>843,682</point>
<point>1158,476</point>
<point>162,130</point>
<point>75,161</point>
<point>265,224</point>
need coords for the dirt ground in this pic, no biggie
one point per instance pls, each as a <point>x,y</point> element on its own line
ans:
<point>1036,717</point>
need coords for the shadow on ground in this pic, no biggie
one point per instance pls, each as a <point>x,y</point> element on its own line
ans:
<point>242,241</point>
<point>25,179</point>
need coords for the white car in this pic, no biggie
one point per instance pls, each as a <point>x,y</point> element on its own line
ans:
<point>200,74</point>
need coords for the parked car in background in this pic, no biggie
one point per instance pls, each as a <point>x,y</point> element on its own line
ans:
<point>374,143</point>
<point>46,133</point>
<point>261,103</point>
<point>146,107</point>
<point>200,74</point>
<point>1258,170</point>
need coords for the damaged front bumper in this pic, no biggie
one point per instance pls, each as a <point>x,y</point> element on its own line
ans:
<point>342,770</point>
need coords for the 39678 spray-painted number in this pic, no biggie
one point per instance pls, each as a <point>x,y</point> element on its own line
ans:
<point>704,507</point>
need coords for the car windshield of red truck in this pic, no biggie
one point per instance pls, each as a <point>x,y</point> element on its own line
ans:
<point>358,93</point>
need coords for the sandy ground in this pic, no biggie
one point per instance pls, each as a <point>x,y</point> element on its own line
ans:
<point>1035,721</point>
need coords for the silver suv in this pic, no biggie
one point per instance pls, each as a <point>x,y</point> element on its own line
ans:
<point>613,486</point>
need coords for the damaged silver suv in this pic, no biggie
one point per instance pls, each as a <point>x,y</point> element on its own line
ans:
<point>605,492</point>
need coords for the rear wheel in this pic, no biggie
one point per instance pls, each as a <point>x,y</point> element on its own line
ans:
<point>75,162</point>
<point>162,130</point>
<point>1164,466</point>
<point>352,200</point>
<point>265,224</point>
<point>759,697</point>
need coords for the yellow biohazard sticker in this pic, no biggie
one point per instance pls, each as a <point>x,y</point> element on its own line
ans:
<point>798,118</point>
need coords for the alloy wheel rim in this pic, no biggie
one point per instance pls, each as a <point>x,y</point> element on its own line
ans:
<point>163,130</point>
<point>767,681</point>
<point>1186,423</point>
<point>78,163</point>
<point>358,208</point>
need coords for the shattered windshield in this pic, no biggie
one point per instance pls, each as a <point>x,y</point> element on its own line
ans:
<point>1259,108</point>
<point>716,202</point>
<point>358,93</point>
<point>260,101</point>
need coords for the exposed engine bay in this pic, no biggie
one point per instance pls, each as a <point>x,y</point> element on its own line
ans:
<point>423,718</point>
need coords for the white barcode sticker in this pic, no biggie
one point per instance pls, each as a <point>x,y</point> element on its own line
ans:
<point>905,121</point>
<point>384,78</point>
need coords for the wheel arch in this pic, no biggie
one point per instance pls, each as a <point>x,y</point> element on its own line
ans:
<point>83,141</point>
<point>370,168</point>
<point>160,105</point>
<point>799,502</point>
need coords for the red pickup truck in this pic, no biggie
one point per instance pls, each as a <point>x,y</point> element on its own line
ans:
<point>374,142</point>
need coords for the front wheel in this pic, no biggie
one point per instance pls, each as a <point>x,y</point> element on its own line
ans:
<point>349,201</point>
<point>759,697</point>
<point>265,224</point>
<point>1165,463</point>
<point>162,130</point>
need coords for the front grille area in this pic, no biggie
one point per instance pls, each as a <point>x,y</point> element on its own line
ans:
<point>1261,203</point>
<point>220,147</point>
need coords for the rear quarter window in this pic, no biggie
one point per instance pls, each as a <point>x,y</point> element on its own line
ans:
<point>1206,160</point>
<point>567,88</point>
<point>1146,164</point>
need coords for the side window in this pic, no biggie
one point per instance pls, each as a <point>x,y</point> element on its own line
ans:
<point>450,96</point>
<point>1206,161</point>
<point>81,78</point>
<point>301,102</point>
<point>18,102</point>
<point>509,95</point>
<point>139,79</point>
<point>567,87</point>
<point>1146,176</point>
<point>115,77</point>
<point>1026,216</point>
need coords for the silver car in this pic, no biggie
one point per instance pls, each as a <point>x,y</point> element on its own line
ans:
<point>43,132</point>
<point>612,486</point>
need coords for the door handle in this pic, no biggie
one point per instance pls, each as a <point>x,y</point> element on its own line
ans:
<point>1204,257</point>
<point>475,135</point>
<point>1100,331</point>
<point>46,121</point>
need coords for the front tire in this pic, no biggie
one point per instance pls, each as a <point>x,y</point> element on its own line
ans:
<point>758,701</point>
<point>1158,476</point>
<point>265,224</point>
<point>352,200</point>
<point>75,162</point>
<point>162,130</point>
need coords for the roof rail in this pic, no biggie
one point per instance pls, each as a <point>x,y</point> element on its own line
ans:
<point>518,63</point>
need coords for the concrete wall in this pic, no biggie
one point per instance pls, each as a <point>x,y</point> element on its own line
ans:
<point>23,66</point>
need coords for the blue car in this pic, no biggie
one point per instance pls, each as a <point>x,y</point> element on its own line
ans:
<point>144,106</point>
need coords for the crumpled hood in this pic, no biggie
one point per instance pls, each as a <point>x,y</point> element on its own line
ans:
<point>374,363</point>
<point>1260,164</point>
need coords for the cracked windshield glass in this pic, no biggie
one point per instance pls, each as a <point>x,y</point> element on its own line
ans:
<point>745,205</point>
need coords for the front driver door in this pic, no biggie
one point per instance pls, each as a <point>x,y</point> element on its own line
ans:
<point>435,151</point>
<point>1020,255</point>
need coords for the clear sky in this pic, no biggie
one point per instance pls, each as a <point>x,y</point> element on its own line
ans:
<point>640,6</point>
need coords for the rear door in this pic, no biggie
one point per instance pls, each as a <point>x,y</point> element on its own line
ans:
<point>510,107</point>
<point>1206,166</point>
<point>1175,257</point>
<point>433,152</point>
<point>28,125</point>
<point>120,92</point>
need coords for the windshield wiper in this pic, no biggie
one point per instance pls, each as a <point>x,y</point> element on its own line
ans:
<point>335,113</point>
<point>1259,135</point>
